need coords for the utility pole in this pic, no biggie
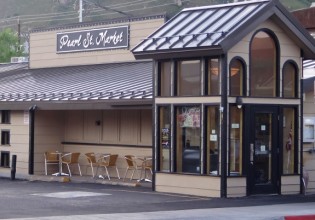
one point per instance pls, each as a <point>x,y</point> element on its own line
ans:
<point>80,10</point>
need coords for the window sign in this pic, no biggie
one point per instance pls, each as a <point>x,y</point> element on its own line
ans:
<point>95,39</point>
<point>190,117</point>
<point>308,130</point>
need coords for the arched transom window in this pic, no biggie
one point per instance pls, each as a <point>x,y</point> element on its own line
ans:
<point>263,65</point>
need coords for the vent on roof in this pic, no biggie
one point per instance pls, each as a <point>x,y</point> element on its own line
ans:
<point>19,59</point>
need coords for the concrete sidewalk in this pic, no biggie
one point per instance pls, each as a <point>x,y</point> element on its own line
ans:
<point>267,212</point>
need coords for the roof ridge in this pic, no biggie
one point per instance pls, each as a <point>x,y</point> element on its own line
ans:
<point>226,5</point>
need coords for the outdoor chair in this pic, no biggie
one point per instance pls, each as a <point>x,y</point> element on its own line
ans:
<point>93,161</point>
<point>71,159</point>
<point>51,158</point>
<point>132,165</point>
<point>109,161</point>
<point>147,166</point>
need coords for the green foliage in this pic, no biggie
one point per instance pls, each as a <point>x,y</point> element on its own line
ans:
<point>9,45</point>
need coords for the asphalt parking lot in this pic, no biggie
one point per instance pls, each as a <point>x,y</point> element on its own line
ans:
<point>35,199</point>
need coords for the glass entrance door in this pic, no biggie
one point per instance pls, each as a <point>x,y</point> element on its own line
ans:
<point>263,151</point>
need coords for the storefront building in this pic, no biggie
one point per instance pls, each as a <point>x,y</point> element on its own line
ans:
<point>82,91</point>
<point>227,100</point>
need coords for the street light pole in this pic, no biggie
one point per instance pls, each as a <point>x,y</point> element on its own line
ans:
<point>80,10</point>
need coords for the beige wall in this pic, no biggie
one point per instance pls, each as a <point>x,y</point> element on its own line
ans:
<point>208,186</point>
<point>290,185</point>
<point>49,134</point>
<point>236,186</point>
<point>43,46</point>
<point>19,141</point>
<point>120,132</point>
<point>122,127</point>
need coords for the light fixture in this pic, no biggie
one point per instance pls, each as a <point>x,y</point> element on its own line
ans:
<point>239,102</point>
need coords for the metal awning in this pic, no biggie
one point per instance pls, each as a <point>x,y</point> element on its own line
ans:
<point>128,83</point>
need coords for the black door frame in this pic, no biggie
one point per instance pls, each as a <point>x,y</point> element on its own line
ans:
<point>250,111</point>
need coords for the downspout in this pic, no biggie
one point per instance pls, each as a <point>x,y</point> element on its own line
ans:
<point>301,128</point>
<point>31,139</point>
<point>155,154</point>
<point>223,112</point>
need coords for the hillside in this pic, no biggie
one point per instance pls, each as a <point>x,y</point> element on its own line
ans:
<point>38,13</point>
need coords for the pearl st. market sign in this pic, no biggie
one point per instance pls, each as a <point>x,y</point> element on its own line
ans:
<point>95,39</point>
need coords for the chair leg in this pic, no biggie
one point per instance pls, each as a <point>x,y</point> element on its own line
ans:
<point>93,171</point>
<point>69,170</point>
<point>46,169</point>
<point>107,172</point>
<point>133,172</point>
<point>79,169</point>
<point>126,173</point>
<point>117,172</point>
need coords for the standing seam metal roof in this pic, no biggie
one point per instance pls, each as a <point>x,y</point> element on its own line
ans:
<point>217,28</point>
<point>96,82</point>
<point>200,27</point>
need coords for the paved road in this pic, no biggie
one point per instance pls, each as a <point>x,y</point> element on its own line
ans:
<point>54,200</point>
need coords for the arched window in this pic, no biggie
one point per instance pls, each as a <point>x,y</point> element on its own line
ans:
<point>263,65</point>
<point>237,77</point>
<point>289,80</point>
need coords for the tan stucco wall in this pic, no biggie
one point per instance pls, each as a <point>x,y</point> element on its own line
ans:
<point>129,132</point>
<point>19,141</point>
<point>208,186</point>
<point>43,46</point>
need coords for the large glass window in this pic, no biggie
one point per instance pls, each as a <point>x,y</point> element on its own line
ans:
<point>236,142</point>
<point>165,79</point>
<point>188,139</point>
<point>289,142</point>
<point>289,80</point>
<point>165,138</point>
<point>189,78</point>
<point>237,75</point>
<point>213,139</point>
<point>213,75</point>
<point>263,66</point>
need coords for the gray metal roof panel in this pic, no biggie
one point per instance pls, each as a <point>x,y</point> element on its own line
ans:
<point>199,27</point>
<point>95,82</point>
<point>219,26</point>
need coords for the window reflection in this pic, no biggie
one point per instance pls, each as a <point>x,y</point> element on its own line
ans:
<point>289,148</point>
<point>213,77</point>
<point>189,78</point>
<point>236,78</point>
<point>188,139</point>
<point>165,79</point>
<point>213,139</point>
<point>165,138</point>
<point>263,66</point>
<point>289,80</point>
<point>236,142</point>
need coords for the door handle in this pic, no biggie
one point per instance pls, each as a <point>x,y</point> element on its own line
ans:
<point>251,156</point>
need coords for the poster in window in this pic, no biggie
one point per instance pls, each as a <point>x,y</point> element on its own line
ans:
<point>189,117</point>
<point>165,137</point>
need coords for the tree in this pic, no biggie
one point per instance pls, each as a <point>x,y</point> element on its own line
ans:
<point>9,45</point>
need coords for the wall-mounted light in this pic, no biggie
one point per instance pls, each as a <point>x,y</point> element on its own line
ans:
<point>239,102</point>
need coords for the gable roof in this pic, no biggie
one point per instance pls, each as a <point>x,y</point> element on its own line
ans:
<point>213,30</point>
<point>129,83</point>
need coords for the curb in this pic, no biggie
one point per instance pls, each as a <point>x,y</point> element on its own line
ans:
<point>300,217</point>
